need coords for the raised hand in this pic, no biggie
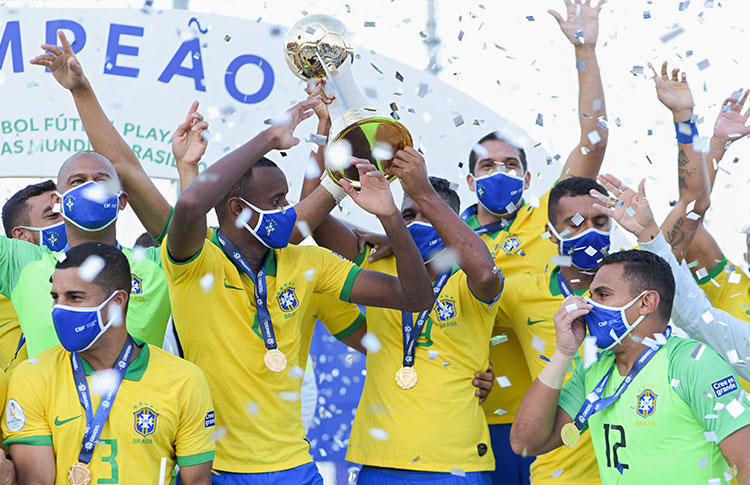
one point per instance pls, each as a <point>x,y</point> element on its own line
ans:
<point>374,195</point>
<point>581,26</point>
<point>570,326</point>
<point>189,141</point>
<point>628,208</point>
<point>379,242</point>
<point>409,166</point>
<point>316,87</point>
<point>282,131</point>
<point>674,93</point>
<point>731,124</point>
<point>62,63</point>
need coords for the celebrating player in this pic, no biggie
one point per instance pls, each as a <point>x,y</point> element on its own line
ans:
<point>57,420</point>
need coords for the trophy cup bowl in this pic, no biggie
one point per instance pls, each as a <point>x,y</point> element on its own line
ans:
<point>319,46</point>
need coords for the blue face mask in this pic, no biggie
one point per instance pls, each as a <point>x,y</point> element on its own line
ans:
<point>79,327</point>
<point>54,236</point>
<point>274,227</point>
<point>500,192</point>
<point>608,324</point>
<point>90,206</point>
<point>587,249</point>
<point>427,240</point>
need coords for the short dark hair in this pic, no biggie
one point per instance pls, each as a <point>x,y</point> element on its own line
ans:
<point>446,192</point>
<point>15,211</point>
<point>646,271</point>
<point>240,187</point>
<point>115,275</point>
<point>496,136</point>
<point>146,241</point>
<point>570,187</point>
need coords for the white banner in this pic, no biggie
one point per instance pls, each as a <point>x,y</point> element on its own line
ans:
<point>148,67</point>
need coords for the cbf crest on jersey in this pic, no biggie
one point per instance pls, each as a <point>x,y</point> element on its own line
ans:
<point>287,298</point>
<point>511,244</point>
<point>145,421</point>
<point>445,309</point>
<point>646,405</point>
<point>136,284</point>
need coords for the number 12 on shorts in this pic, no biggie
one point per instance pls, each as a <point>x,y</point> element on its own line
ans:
<point>614,432</point>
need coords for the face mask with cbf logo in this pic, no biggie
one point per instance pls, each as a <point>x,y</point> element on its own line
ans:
<point>427,240</point>
<point>608,324</point>
<point>90,206</point>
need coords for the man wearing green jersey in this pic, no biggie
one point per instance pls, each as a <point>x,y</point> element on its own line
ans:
<point>661,409</point>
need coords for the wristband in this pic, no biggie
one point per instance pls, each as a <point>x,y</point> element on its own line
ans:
<point>337,192</point>
<point>553,374</point>
<point>686,131</point>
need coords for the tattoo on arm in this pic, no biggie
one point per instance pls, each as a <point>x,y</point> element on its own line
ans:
<point>675,236</point>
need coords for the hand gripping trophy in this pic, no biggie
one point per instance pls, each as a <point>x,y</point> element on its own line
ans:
<point>319,46</point>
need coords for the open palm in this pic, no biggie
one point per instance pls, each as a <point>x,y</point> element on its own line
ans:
<point>731,124</point>
<point>374,194</point>
<point>581,26</point>
<point>62,63</point>
<point>631,211</point>
<point>673,93</point>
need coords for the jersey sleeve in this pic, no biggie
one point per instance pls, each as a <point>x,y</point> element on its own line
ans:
<point>341,319</point>
<point>573,393</point>
<point>334,275</point>
<point>197,267</point>
<point>154,254</point>
<point>710,387</point>
<point>25,410</point>
<point>194,443</point>
<point>15,254</point>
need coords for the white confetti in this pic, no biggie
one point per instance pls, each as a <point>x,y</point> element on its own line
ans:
<point>538,344</point>
<point>735,408</point>
<point>590,352</point>
<point>252,408</point>
<point>289,396</point>
<point>734,278</point>
<point>91,267</point>
<point>103,381</point>
<point>378,434</point>
<point>382,151</point>
<point>309,274</point>
<point>458,472</point>
<point>733,356</point>
<point>432,354</point>
<point>561,261</point>
<point>557,473</point>
<point>338,155</point>
<point>371,343</point>
<point>499,412</point>
<point>594,137</point>
<point>243,218</point>
<point>138,253</point>
<point>207,282</point>
<point>503,381</point>
<point>296,372</point>
<point>710,436</point>
<point>220,432</point>
<point>304,228</point>
<point>707,317</point>
<point>675,383</point>
<point>577,219</point>
<point>591,251</point>
<point>497,339</point>
<point>703,462</point>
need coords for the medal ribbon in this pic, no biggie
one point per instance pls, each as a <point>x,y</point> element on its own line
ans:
<point>95,423</point>
<point>411,332</point>
<point>592,407</point>
<point>496,226</point>
<point>260,292</point>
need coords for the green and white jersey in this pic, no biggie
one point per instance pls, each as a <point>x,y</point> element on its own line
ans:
<point>666,426</point>
<point>25,271</point>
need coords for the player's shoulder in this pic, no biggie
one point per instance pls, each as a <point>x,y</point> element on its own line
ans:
<point>173,367</point>
<point>43,365</point>
<point>689,355</point>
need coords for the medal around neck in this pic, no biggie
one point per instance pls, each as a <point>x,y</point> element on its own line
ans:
<point>570,435</point>
<point>275,360</point>
<point>79,474</point>
<point>406,377</point>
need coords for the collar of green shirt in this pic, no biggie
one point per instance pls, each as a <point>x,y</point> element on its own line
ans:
<point>474,223</point>
<point>554,286</point>
<point>269,264</point>
<point>137,366</point>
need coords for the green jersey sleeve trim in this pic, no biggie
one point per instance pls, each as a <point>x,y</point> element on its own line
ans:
<point>163,234</point>
<point>192,258</point>
<point>715,271</point>
<point>346,291</point>
<point>195,459</point>
<point>356,325</point>
<point>29,440</point>
<point>361,256</point>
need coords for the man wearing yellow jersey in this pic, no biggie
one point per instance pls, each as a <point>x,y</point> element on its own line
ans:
<point>511,227</point>
<point>29,216</point>
<point>119,426</point>
<point>260,284</point>
<point>7,468</point>
<point>427,427</point>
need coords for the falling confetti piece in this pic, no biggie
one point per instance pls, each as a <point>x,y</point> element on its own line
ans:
<point>561,261</point>
<point>671,35</point>
<point>378,434</point>
<point>707,317</point>
<point>207,282</point>
<point>594,137</point>
<point>289,396</point>
<point>590,352</point>
<point>371,343</point>
<point>735,408</point>
<point>710,436</point>
<point>580,65</point>
<point>539,119</point>
<point>458,121</point>
<point>499,412</point>
<point>646,15</point>
<point>369,24</point>
<point>458,472</point>
<point>399,77</point>
<point>497,339</point>
<point>557,473</point>
<point>704,64</point>
<point>538,344</point>
<point>309,274</point>
<point>577,219</point>
<point>338,155</point>
<point>243,218</point>
<point>104,381</point>
<point>698,351</point>
<point>503,381</point>
<point>432,354</point>
<point>91,268</point>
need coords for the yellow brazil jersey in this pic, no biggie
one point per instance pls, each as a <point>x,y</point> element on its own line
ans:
<point>437,425</point>
<point>10,333</point>
<point>518,248</point>
<point>149,419</point>
<point>527,305</point>
<point>218,330</point>
<point>728,289</point>
<point>341,320</point>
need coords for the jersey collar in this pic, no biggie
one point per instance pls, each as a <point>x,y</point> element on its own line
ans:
<point>554,286</point>
<point>269,264</point>
<point>470,216</point>
<point>137,366</point>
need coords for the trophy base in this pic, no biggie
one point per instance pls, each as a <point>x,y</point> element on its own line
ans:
<point>363,129</point>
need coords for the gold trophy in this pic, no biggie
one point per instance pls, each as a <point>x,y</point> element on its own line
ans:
<point>319,46</point>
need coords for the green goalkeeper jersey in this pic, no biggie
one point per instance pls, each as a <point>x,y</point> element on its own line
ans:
<point>667,425</point>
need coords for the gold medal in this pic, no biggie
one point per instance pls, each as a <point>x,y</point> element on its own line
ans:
<point>275,360</point>
<point>406,377</point>
<point>570,435</point>
<point>79,474</point>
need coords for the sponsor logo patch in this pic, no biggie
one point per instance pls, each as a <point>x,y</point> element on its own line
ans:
<point>15,418</point>
<point>210,420</point>
<point>724,386</point>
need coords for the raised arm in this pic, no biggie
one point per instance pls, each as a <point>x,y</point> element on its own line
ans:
<point>581,28</point>
<point>317,157</point>
<point>485,280</point>
<point>189,144</point>
<point>188,227</point>
<point>683,221</point>
<point>411,290</point>
<point>149,205</point>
